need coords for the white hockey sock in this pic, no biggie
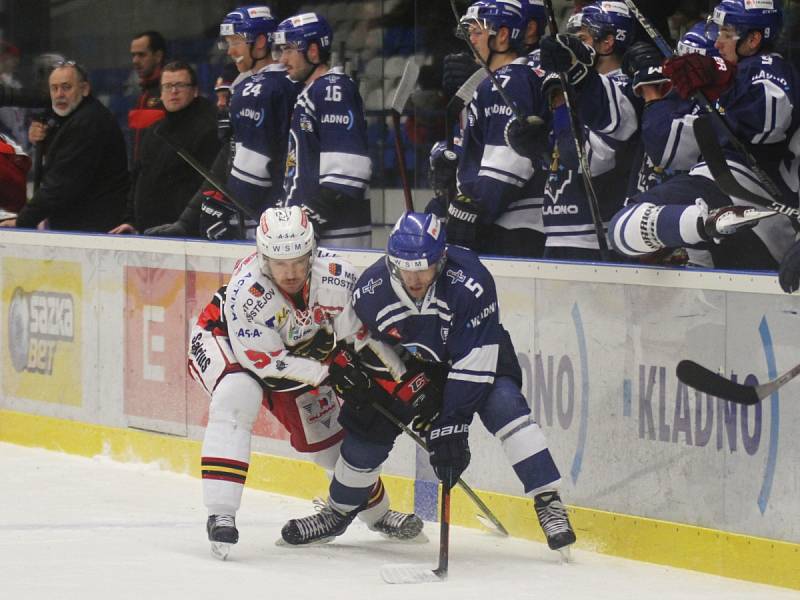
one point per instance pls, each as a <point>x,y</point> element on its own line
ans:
<point>225,455</point>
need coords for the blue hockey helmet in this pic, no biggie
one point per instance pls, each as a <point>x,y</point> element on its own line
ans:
<point>745,16</point>
<point>416,243</point>
<point>249,22</point>
<point>581,19</point>
<point>300,31</point>
<point>610,18</point>
<point>494,14</point>
<point>699,40</point>
<point>533,10</point>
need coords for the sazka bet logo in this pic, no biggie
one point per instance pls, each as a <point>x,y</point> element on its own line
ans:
<point>37,321</point>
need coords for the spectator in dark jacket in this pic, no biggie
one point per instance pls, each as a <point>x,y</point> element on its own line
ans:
<point>163,183</point>
<point>148,52</point>
<point>85,179</point>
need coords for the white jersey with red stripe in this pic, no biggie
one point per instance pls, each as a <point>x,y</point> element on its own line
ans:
<point>286,343</point>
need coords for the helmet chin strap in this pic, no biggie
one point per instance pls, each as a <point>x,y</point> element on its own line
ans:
<point>314,67</point>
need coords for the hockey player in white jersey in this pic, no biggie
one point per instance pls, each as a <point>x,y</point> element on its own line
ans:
<point>438,303</point>
<point>328,168</point>
<point>267,338</point>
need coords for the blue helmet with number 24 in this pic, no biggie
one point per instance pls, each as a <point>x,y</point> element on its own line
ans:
<point>249,22</point>
<point>416,243</point>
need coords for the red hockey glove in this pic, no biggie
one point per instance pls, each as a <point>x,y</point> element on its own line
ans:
<point>692,73</point>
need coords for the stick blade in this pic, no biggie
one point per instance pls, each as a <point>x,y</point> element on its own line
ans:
<point>714,384</point>
<point>407,573</point>
<point>407,83</point>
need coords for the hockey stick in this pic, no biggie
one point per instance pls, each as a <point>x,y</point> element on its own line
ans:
<point>723,177</point>
<point>208,176</point>
<point>580,141</point>
<point>714,384</point>
<point>401,96</point>
<point>457,103</point>
<point>702,101</point>
<point>577,133</point>
<point>416,574</point>
<point>488,518</point>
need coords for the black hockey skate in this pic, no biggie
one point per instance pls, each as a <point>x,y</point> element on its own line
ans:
<point>554,521</point>
<point>318,528</point>
<point>222,534</point>
<point>400,526</point>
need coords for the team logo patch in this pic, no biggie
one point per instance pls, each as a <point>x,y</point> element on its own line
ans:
<point>334,269</point>
<point>257,290</point>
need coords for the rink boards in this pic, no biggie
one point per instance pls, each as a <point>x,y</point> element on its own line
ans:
<point>93,361</point>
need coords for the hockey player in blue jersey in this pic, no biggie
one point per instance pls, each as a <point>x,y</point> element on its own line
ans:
<point>439,304</point>
<point>668,144</point>
<point>598,37</point>
<point>260,107</point>
<point>665,118</point>
<point>498,206</point>
<point>757,91</point>
<point>328,167</point>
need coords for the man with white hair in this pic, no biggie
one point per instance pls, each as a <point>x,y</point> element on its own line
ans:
<point>85,180</point>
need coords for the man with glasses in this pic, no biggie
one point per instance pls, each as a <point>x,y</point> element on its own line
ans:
<point>328,166</point>
<point>85,179</point>
<point>162,181</point>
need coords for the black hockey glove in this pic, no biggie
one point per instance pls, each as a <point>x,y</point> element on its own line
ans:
<point>350,382</point>
<point>528,138</point>
<point>326,206</point>
<point>444,163</point>
<point>642,63</point>
<point>219,219</point>
<point>318,348</point>
<point>462,222</point>
<point>551,84</point>
<point>457,68</point>
<point>176,229</point>
<point>566,53</point>
<point>789,273</point>
<point>449,452</point>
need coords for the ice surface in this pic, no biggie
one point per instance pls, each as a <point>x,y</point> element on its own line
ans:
<point>78,528</point>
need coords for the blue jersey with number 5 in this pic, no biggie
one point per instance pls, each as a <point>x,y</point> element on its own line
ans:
<point>456,323</point>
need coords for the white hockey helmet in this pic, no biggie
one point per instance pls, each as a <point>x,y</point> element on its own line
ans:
<point>284,233</point>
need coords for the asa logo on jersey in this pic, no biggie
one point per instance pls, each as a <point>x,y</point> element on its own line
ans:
<point>334,269</point>
<point>38,321</point>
